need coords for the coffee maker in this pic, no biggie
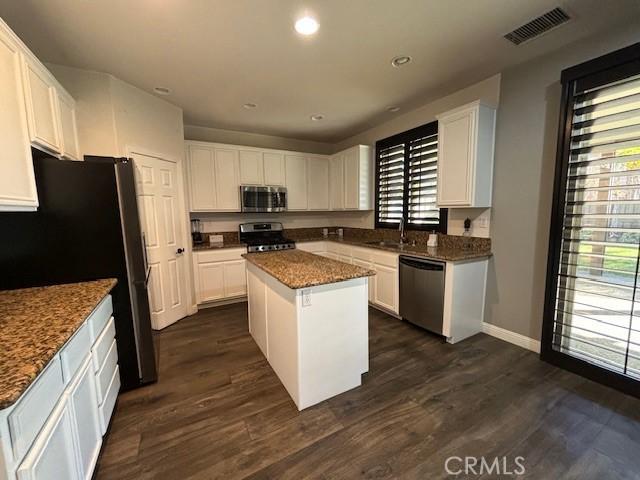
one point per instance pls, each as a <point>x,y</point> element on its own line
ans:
<point>196,231</point>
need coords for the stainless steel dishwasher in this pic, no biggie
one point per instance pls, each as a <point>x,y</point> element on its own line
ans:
<point>422,292</point>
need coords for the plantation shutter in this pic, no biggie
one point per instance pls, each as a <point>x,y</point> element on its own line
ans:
<point>407,180</point>
<point>423,180</point>
<point>597,307</point>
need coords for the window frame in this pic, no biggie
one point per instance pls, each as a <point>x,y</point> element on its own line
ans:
<point>406,137</point>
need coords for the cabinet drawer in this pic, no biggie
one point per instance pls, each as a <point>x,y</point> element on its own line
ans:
<point>99,318</point>
<point>334,247</point>
<point>387,259</point>
<point>220,255</point>
<point>74,352</point>
<point>102,345</point>
<point>362,254</point>
<point>104,375</point>
<point>33,408</point>
<point>106,409</point>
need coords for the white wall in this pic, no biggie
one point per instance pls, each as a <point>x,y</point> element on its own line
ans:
<point>217,135</point>
<point>114,116</point>
<point>527,129</point>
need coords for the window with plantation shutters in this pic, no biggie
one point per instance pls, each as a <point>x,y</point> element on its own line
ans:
<point>406,180</point>
<point>593,301</point>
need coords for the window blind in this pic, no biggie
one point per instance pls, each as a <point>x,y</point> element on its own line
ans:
<point>597,305</point>
<point>407,180</point>
<point>391,176</point>
<point>423,179</point>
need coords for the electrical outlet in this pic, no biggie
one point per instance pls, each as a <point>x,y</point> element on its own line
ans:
<point>482,221</point>
<point>306,298</point>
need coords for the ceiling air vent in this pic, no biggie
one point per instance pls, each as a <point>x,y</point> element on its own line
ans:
<point>548,21</point>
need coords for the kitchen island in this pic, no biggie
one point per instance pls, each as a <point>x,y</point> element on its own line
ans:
<point>309,316</point>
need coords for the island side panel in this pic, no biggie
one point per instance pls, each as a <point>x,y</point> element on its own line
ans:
<point>333,339</point>
<point>257,304</point>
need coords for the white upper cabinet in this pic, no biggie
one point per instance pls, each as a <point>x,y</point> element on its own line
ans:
<point>227,173</point>
<point>17,182</point>
<point>201,178</point>
<point>273,163</point>
<point>465,158</point>
<point>251,167</point>
<point>336,182</point>
<point>40,98</point>
<point>357,172</point>
<point>68,128</point>
<point>296,182</point>
<point>318,183</point>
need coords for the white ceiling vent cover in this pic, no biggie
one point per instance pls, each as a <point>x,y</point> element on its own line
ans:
<point>542,24</point>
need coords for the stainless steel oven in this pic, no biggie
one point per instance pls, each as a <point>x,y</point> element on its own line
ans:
<point>263,199</point>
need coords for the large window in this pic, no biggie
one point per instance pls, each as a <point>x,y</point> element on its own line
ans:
<point>407,180</point>
<point>592,311</point>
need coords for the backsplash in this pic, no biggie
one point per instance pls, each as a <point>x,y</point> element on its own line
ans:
<point>367,234</point>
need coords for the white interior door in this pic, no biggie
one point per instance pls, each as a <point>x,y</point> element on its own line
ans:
<point>158,193</point>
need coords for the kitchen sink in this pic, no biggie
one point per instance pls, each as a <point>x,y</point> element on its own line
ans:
<point>385,243</point>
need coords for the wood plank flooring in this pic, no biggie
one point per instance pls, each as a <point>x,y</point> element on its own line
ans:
<point>219,412</point>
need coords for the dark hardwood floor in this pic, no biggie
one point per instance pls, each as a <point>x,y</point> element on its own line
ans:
<point>219,411</point>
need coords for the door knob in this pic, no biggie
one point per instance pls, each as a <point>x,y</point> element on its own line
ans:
<point>179,251</point>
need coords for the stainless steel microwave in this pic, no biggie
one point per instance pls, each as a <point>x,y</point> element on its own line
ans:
<point>263,199</point>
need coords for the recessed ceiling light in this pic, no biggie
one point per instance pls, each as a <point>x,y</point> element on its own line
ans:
<point>162,90</point>
<point>393,109</point>
<point>317,117</point>
<point>400,60</point>
<point>307,25</point>
<point>250,105</point>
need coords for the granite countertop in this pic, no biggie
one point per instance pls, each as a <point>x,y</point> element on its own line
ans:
<point>35,323</point>
<point>298,269</point>
<point>446,254</point>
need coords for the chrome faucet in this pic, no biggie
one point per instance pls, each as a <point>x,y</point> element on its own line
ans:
<point>401,230</point>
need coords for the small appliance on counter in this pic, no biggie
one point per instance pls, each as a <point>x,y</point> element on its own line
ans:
<point>196,231</point>
<point>264,237</point>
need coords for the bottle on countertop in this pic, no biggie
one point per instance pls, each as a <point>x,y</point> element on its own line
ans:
<point>432,241</point>
<point>467,227</point>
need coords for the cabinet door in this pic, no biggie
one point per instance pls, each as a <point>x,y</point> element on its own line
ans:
<point>318,189</point>
<point>201,178</point>
<point>68,128</point>
<point>227,180</point>
<point>53,454</point>
<point>40,98</point>
<point>296,181</point>
<point>251,169</point>
<point>352,179</point>
<point>336,182</point>
<point>84,407</point>
<point>273,168</point>
<point>17,182</point>
<point>367,265</point>
<point>386,287</point>
<point>455,162</point>
<point>210,282</point>
<point>235,278</point>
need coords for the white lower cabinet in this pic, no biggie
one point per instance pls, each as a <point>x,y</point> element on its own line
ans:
<point>53,455</point>
<point>219,274</point>
<point>386,287</point>
<point>54,430</point>
<point>82,399</point>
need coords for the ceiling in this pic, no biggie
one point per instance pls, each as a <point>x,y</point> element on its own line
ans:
<point>217,55</point>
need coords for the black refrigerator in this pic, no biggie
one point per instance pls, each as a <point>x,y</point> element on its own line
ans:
<point>86,227</point>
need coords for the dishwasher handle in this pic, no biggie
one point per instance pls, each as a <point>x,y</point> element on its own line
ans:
<point>421,264</point>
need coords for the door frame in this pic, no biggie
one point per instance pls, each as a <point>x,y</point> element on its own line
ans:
<point>184,224</point>
<point>627,58</point>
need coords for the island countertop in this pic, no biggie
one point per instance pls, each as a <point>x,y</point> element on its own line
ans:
<point>298,269</point>
<point>35,323</point>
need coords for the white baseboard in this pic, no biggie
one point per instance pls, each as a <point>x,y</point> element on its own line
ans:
<point>511,337</point>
